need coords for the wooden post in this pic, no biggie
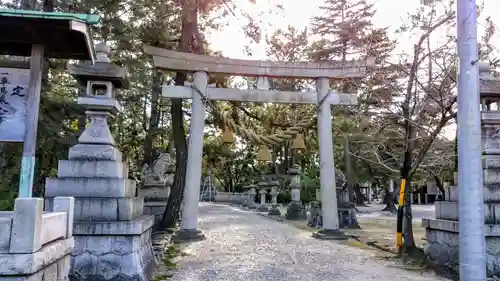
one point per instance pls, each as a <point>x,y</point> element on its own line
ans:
<point>31,123</point>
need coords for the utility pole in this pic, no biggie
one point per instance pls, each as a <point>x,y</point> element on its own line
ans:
<point>470,175</point>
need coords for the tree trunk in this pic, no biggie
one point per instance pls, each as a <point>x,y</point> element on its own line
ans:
<point>171,214</point>
<point>360,198</point>
<point>388,200</point>
<point>153,119</point>
<point>408,241</point>
<point>189,35</point>
<point>440,186</point>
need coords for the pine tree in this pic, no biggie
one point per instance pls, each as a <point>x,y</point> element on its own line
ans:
<point>345,28</point>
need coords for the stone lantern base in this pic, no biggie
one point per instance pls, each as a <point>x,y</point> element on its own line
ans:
<point>296,211</point>
<point>262,208</point>
<point>274,210</point>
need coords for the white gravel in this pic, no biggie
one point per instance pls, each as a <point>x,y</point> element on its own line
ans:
<point>244,246</point>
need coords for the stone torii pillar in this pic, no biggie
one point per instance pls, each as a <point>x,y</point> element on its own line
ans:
<point>327,167</point>
<point>188,230</point>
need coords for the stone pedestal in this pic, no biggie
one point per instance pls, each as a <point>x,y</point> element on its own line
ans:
<point>156,181</point>
<point>314,219</point>
<point>262,207</point>
<point>274,210</point>
<point>36,245</point>
<point>112,236</point>
<point>296,211</point>
<point>155,200</point>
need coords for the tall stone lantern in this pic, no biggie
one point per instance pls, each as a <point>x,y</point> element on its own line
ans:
<point>112,236</point>
<point>296,210</point>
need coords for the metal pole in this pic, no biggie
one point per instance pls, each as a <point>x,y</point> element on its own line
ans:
<point>470,175</point>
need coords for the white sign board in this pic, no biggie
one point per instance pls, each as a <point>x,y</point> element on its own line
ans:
<point>14,84</point>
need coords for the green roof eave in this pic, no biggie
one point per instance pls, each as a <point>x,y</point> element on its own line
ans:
<point>85,18</point>
<point>63,35</point>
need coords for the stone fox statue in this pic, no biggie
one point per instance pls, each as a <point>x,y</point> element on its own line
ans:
<point>155,174</point>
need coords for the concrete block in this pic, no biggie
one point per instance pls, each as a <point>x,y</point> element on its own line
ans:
<point>491,193</point>
<point>54,226</point>
<point>92,169</point>
<point>446,210</point>
<point>94,152</point>
<point>26,225</point>
<point>5,229</point>
<point>66,204</point>
<point>90,187</point>
<point>132,227</point>
<point>154,193</point>
<point>154,208</point>
<point>491,177</point>
<point>29,263</point>
<point>130,208</point>
<point>104,209</point>
<point>491,161</point>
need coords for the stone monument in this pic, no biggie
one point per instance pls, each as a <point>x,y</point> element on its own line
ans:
<point>156,182</point>
<point>36,245</point>
<point>295,210</point>
<point>442,232</point>
<point>112,236</point>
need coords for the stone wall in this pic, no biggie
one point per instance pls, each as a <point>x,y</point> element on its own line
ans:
<point>119,257</point>
<point>442,245</point>
<point>36,245</point>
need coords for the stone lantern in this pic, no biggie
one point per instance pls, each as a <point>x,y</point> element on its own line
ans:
<point>262,207</point>
<point>107,212</point>
<point>274,211</point>
<point>296,210</point>
<point>252,194</point>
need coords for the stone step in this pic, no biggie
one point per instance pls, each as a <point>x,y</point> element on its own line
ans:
<point>136,226</point>
<point>90,187</point>
<point>105,209</point>
<point>91,169</point>
<point>448,210</point>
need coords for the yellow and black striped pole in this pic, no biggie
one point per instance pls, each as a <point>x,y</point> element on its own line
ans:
<point>399,227</point>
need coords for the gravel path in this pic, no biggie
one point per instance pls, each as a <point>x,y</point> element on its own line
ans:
<point>245,246</point>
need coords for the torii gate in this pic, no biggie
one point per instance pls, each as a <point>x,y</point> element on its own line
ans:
<point>202,65</point>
